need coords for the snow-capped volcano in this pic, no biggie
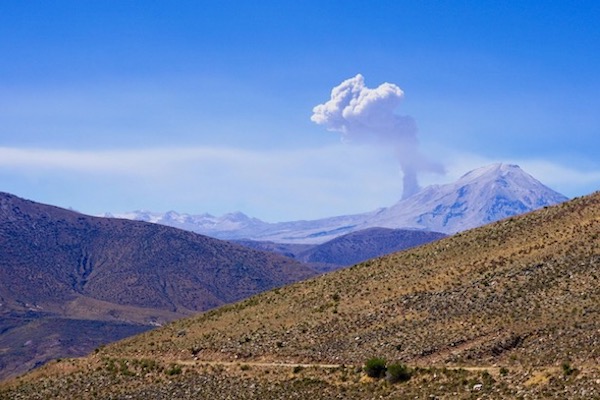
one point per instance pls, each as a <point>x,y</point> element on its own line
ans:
<point>479,197</point>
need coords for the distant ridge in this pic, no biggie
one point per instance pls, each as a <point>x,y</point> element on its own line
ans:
<point>351,248</point>
<point>479,197</point>
<point>359,246</point>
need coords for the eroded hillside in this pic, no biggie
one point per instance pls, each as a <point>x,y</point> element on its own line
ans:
<point>69,282</point>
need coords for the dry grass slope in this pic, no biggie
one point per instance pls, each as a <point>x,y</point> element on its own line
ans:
<point>516,299</point>
<point>523,290</point>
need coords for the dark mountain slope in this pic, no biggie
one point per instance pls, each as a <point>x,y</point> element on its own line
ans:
<point>363,245</point>
<point>348,249</point>
<point>56,263</point>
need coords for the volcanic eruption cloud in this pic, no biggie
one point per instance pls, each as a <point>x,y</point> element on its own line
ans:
<point>365,115</point>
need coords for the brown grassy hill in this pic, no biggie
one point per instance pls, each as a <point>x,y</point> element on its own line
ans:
<point>57,264</point>
<point>517,302</point>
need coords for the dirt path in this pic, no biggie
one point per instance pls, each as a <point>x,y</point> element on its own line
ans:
<point>257,364</point>
<point>272,364</point>
<point>493,370</point>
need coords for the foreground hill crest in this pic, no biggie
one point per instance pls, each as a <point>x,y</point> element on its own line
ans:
<point>506,281</point>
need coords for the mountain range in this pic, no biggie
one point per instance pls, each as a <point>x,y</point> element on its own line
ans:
<point>479,197</point>
<point>70,282</point>
<point>505,311</point>
<point>63,273</point>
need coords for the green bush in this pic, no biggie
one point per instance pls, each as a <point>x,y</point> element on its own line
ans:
<point>173,370</point>
<point>397,373</point>
<point>375,367</point>
<point>298,368</point>
<point>568,369</point>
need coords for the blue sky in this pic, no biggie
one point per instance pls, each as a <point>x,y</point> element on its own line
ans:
<point>205,106</point>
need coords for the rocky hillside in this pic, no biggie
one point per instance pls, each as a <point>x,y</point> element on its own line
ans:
<point>509,310</point>
<point>116,277</point>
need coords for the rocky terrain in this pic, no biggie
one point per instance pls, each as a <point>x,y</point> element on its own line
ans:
<point>509,310</point>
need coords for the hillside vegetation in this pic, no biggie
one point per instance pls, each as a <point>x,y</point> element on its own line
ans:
<point>514,304</point>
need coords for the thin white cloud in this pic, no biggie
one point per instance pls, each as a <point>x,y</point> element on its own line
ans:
<point>273,185</point>
<point>134,162</point>
<point>299,183</point>
<point>566,177</point>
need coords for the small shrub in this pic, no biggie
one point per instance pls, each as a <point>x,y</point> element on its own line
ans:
<point>244,367</point>
<point>297,369</point>
<point>487,378</point>
<point>568,369</point>
<point>375,367</point>
<point>173,370</point>
<point>124,368</point>
<point>397,373</point>
<point>503,371</point>
<point>111,367</point>
<point>146,365</point>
